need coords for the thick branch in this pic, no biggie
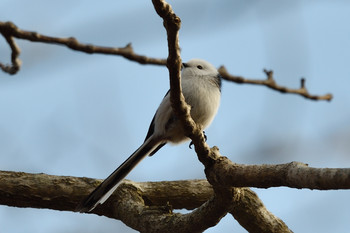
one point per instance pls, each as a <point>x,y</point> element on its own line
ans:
<point>271,83</point>
<point>295,175</point>
<point>147,219</point>
<point>10,30</point>
<point>140,205</point>
<point>65,192</point>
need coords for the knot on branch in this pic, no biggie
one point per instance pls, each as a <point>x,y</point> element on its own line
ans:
<point>7,27</point>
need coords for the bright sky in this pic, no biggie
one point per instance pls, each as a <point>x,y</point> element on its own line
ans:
<point>69,113</point>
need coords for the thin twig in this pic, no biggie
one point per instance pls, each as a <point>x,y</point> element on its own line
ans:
<point>15,51</point>
<point>10,30</point>
<point>271,83</point>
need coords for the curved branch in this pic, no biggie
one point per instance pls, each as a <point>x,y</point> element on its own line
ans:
<point>252,214</point>
<point>135,214</point>
<point>271,83</point>
<point>15,51</point>
<point>10,30</point>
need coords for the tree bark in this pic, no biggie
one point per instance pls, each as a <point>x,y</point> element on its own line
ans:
<point>146,207</point>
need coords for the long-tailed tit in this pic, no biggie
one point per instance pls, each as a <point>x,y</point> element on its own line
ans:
<point>201,87</point>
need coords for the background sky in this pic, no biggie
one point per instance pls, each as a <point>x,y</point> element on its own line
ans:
<point>70,113</point>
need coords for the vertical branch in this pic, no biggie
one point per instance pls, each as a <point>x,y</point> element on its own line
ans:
<point>172,24</point>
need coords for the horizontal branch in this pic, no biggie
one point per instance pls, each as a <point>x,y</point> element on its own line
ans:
<point>294,175</point>
<point>10,30</point>
<point>137,204</point>
<point>21,189</point>
<point>271,83</point>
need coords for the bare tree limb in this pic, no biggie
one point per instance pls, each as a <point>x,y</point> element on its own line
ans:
<point>10,30</point>
<point>181,108</point>
<point>217,206</point>
<point>271,83</point>
<point>251,214</point>
<point>15,51</point>
<point>207,156</point>
<point>140,205</point>
<point>164,220</point>
<point>22,189</point>
<point>223,172</point>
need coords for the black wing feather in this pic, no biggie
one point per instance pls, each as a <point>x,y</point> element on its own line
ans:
<point>151,131</point>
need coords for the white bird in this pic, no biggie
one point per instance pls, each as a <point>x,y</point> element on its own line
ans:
<point>201,87</point>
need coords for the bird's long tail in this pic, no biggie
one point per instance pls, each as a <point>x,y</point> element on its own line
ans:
<point>109,185</point>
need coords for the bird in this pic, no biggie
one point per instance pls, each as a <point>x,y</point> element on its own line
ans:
<point>201,87</point>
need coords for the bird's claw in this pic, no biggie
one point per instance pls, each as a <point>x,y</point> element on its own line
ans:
<point>205,136</point>
<point>191,143</point>
<point>190,146</point>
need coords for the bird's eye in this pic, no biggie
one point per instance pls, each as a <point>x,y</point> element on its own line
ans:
<point>200,67</point>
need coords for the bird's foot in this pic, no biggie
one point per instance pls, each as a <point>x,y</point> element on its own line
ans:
<point>191,143</point>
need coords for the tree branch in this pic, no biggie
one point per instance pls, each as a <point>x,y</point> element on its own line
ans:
<point>225,202</point>
<point>271,83</point>
<point>252,214</point>
<point>162,219</point>
<point>147,207</point>
<point>15,51</point>
<point>10,30</point>
<point>223,172</point>
<point>181,108</point>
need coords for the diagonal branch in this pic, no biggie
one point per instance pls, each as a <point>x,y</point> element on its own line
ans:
<point>271,83</point>
<point>252,214</point>
<point>181,108</point>
<point>10,31</point>
<point>222,197</point>
<point>226,195</point>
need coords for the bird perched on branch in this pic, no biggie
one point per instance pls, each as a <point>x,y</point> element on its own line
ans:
<point>201,87</point>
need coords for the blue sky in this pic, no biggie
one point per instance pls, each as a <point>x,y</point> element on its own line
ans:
<point>69,113</point>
